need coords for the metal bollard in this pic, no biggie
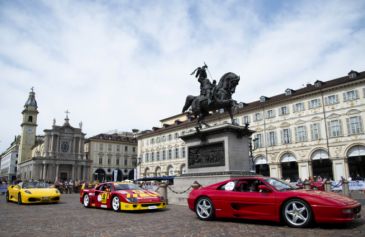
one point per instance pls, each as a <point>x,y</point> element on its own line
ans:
<point>196,185</point>
<point>327,186</point>
<point>345,188</point>
<point>163,191</point>
<point>306,184</point>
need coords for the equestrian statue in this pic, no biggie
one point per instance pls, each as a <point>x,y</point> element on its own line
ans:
<point>212,96</point>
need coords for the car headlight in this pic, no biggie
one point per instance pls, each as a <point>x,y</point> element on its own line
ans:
<point>347,211</point>
<point>133,200</point>
<point>27,191</point>
<point>58,192</point>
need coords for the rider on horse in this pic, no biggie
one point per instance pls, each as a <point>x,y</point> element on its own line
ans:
<point>206,87</point>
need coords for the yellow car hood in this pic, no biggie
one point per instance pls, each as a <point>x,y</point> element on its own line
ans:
<point>41,191</point>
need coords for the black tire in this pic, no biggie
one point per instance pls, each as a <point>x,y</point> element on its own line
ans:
<point>7,196</point>
<point>86,201</point>
<point>297,213</point>
<point>20,199</point>
<point>115,203</point>
<point>204,209</point>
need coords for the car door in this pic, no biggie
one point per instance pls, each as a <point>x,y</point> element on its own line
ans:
<point>248,201</point>
<point>102,195</point>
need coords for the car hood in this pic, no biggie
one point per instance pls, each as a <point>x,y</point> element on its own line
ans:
<point>330,196</point>
<point>41,191</point>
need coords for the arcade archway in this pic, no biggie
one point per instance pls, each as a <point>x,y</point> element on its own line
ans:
<point>100,175</point>
<point>289,167</point>
<point>321,164</point>
<point>356,162</point>
<point>261,166</point>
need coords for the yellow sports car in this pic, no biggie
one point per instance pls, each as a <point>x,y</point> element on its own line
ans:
<point>32,192</point>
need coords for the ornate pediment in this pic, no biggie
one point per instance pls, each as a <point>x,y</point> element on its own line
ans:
<point>298,122</point>
<point>353,111</point>
<point>334,115</point>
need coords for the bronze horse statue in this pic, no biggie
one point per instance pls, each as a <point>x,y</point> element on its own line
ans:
<point>221,98</point>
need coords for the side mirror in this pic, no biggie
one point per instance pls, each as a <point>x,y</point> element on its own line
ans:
<point>264,188</point>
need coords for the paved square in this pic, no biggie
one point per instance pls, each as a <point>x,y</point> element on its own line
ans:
<point>70,218</point>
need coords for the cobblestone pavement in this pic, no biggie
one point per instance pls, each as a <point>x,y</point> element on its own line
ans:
<point>70,218</point>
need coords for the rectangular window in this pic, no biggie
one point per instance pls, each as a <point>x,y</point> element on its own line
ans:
<point>301,134</point>
<point>146,157</point>
<point>170,154</point>
<point>125,148</point>
<point>157,155</point>
<point>163,155</point>
<point>315,103</point>
<point>100,161</point>
<point>152,156</point>
<point>270,113</point>
<point>170,137</point>
<point>298,107</point>
<point>152,141</point>
<point>331,100</point>
<point>101,146</point>
<point>118,147</point>
<point>176,135</point>
<point>134,149</point>
<point>335,128</point>
<point>286,136</point>
<point>315,131</point>
<point>125,161</point>
<point>176,153</point>
<point>258,117</point>
<point>183,151</point>
<point>246,119</point>
<point>117,161</point>
<point>350,95</point>
<point>283,110</point>
<point>258,141</point>
<point>271,139</point>
<point>109,161</point>
<point>354,125</point>
<point>109,147</point>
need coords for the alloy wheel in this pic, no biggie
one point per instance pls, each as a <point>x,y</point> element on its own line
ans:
<point>115,203</point>
<point>204,209</point>
<point>297,213</point>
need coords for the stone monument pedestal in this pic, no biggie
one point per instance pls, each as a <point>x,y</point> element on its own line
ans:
<point>214,154</point>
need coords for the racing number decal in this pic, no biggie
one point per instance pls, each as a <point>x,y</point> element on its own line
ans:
<point>104,197</point>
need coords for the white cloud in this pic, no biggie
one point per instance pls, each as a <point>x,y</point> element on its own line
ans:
<point>123,65</point>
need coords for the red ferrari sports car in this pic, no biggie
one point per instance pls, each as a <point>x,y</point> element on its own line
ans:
<point>121,196</point>
<point>264,198</point>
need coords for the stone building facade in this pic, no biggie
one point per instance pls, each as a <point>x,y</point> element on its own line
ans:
<point>317,130</point>
<point>9,160</point>
<point>58,154</point>
<point>113,156</point>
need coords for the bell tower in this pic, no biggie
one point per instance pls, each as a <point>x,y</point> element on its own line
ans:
<point>29,125</point>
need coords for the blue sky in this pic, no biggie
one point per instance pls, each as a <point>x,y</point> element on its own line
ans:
<point>126,64</point>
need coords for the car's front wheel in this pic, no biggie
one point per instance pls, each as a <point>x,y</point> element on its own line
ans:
<point>86,200</point>
<point>20,199</point>
<point>116,203</point>
<point>297,213</point>
<point>204,209</point>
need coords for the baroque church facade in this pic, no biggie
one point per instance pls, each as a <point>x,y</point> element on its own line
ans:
<point>56,155</point>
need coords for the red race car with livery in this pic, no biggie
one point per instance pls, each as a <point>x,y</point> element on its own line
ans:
<point>123,196</point>
<point>264,198</point>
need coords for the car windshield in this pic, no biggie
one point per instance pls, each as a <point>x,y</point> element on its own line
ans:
<point>126,187</point>
<point>279,185</point>
<point>35,184</point>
